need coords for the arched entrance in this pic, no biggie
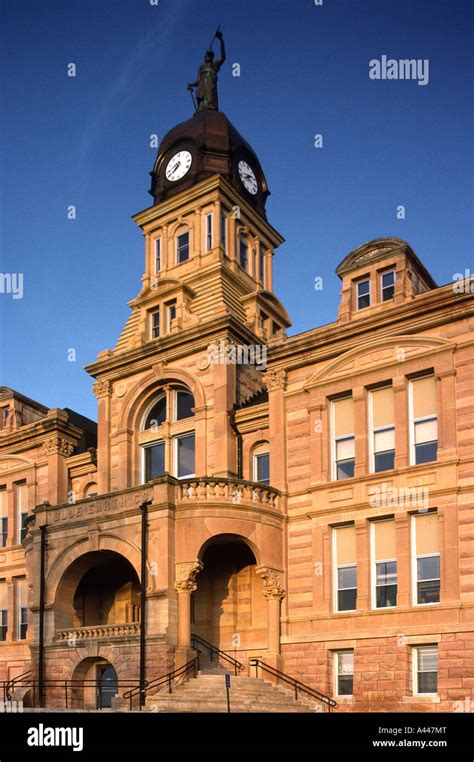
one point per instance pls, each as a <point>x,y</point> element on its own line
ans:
<point>94,684</point>
<point>228,608</point>
<point>99,588</point>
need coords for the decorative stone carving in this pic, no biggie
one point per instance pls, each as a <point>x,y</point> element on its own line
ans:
<point>58,446</point>
<point>102,389</point>
<point>275,379</point>
<point>271,588</point>
<point>186,576</point>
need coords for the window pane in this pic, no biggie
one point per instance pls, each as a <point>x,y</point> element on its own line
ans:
<point>427,682</point>
<point>345,449</point>
<point>184,405</point>
<point>158,255</point>
<point>344,686</point>
<point>185,455</point>
<point>425,453</point>
<point>384,440</point>
<point>428,568</point>
<point>347,577</point>
<point>386,572</point>
<point>345,469</point>
<point>388,285</point>
<point>386,596</point>
<point>157,414</point>
<point>384,461</point>
<point>183,247</point>
<point>345,663</point>
<point>363,288</point>
<point>426,431</point>
<point>154,461</point>
<point>263,468</point>
<point>346,600</point>
<point>428,659</point>
<point>428,592</point>
<point>243,254</point>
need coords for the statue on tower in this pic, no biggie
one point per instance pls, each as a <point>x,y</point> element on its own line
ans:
<point>206,83</point>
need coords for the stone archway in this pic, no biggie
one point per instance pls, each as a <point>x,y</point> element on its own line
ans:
<point>227,607</point>
<point>87,684</point>
<point>98,588</point>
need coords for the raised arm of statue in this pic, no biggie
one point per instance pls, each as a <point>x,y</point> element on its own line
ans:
<point>219,61</point>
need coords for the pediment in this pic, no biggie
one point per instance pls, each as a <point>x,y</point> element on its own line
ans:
<point>14,463</point>
<point>376,354</point>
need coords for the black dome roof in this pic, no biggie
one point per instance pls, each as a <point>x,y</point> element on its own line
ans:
<point>216,147</point>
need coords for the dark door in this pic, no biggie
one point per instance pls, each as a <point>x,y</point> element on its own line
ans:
<point>106,686</point>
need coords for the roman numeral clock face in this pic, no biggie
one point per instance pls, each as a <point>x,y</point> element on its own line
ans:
<point>247,175</point>
<point>178,166</point>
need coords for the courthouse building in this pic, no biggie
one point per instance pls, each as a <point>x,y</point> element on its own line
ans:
<point>301,500</point>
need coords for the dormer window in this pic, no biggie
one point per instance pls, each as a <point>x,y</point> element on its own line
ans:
<point>243,253</point>
<point>363,294</point>
<point>182,248</point>
<point>387,285</point>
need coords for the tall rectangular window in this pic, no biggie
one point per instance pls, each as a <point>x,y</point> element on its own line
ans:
<point>262,468</point>
<point>155,324</point>
<point>22,608</point>
<point>387,285</point>
<point>3,516</point>
<point>384,564</point>
<point>154,465</point>
<point>261,268</point>
<point>158,255</point>
<point>182,248</point>
<point>3,610</point>
<point>243,253</point>
<point>423,420</point>
<point>426,565</point>
<point>184,455</point>
<point>343,447</point>
<point>345,575</point>
<point>382,429</point>
<point>208,232</point>
<point>425,670</point>
<point>344,667</point>
<point>170,314</point>
<point>224,232</point>
<point>363,294</point>
<point>20,491</point>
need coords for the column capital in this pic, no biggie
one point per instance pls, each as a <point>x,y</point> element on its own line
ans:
<point>57,446</point>
<point>102,388</point>
<point>275,379</point>
<point>271,587</point>
<point>186,576</point>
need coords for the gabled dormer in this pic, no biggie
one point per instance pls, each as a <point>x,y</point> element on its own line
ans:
<point>378,275</point>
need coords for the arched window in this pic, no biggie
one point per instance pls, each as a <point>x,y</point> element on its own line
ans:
<point>261,463</point>
<point>90,489</point>
<point>167,438</point>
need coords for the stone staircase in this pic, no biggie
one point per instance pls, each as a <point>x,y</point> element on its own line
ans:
<point>207,693</point>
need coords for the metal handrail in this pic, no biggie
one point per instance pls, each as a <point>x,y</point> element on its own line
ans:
<point>297,685</point>
<point>67,684</point>
<point>142,690</point>
<point>9,684</point>
<point>214,650</point>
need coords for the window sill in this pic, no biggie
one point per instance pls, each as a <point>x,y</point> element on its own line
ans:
<point>426,698</point>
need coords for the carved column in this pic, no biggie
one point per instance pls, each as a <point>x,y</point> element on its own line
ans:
<point>274,594</point>
<point>185,585</point>
<point>57,449</point>
<point>103,392</point>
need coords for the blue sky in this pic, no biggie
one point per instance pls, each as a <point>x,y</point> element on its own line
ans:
<point>304,70</point>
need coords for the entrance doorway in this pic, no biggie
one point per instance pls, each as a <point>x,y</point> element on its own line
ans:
<point>106,685</point>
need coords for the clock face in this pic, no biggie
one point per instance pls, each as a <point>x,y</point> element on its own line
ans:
<point>178,166</point>
<point>247,175</point>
